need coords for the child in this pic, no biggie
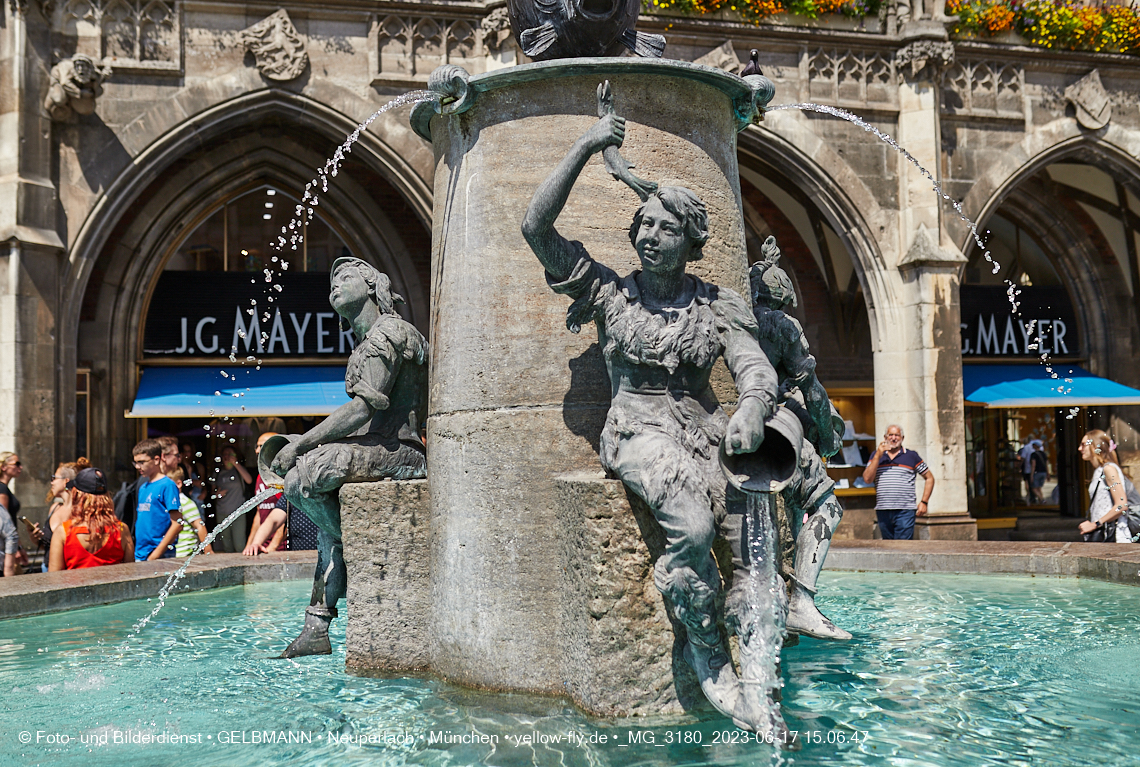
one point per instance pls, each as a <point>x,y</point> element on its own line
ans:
<point>193,531</point>
<point>158,516</point>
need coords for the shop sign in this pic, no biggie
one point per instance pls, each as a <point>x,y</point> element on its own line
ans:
<point>1047,323</point>
<point>197,314</point>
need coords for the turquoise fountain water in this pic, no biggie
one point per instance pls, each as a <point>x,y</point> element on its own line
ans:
<point>944,670</point>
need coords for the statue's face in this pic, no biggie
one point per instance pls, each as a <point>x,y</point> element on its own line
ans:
<point>83,70</point>
<point>349,292</point>
<point>661,242</point>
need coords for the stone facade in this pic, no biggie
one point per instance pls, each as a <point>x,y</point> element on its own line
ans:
<point>91,208</point>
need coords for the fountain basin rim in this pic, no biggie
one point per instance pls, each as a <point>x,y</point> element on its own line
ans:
<point>734,87</point>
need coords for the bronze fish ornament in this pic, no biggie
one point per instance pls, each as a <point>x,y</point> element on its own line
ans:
<point>561,29</point>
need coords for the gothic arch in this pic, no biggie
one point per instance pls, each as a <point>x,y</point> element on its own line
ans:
<point>1100,296</point>
<point>176,181</point>
<point>832,186</point>
<point>1116,150</point>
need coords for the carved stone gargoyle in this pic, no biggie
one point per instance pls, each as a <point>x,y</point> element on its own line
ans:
<point>75,84</point>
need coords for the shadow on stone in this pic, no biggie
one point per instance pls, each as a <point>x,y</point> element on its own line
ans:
<point>587,400</point>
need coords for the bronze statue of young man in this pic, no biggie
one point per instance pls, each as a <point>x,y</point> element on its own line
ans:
<point>374,436</point>
<point>812,491</point>
<point>660,331</point>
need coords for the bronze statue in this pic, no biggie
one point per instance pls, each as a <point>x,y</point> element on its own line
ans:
<point>812,491</point>
<point>374,436</point>
<point>559,29</point>
<point>661,330</point>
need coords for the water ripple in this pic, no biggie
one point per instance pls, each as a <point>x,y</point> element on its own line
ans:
<point>944,670</point>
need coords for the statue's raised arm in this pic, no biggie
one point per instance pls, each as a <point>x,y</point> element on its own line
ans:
<point>661,330</point>
<point>552,249</point>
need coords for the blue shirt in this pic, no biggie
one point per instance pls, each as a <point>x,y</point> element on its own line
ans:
<point>156,500</point>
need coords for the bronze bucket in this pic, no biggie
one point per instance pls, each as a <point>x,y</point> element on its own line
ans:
<point>265,458</point>
<point>773,465</point>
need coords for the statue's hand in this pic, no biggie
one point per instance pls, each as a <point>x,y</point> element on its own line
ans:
<point>746,427</point>
<point>608,131</point>
<point>285,460</point>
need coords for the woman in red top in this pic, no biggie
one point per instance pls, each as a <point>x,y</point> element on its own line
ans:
<point>92,536</point>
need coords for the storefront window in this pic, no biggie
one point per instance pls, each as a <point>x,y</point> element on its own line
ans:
<point>216,310</point>
<point>237,237</point>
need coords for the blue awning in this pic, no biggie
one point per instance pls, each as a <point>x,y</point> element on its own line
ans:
<point>189,392</point>
<point>1033,386</point>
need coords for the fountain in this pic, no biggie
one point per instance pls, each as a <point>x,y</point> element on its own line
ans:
<point>522,566</point>
<point>516,406</point>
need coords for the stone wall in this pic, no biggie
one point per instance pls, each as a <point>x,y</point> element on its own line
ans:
<point>386,547</point>
<point>612,639</point>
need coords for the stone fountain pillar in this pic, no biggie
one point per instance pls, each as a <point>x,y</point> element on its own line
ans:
<point>507,413</point>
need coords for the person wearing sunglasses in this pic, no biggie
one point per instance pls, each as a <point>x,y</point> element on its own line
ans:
<point>59,505</point>
<point>10,468</point>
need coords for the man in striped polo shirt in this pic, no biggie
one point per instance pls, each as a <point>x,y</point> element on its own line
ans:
<point>893,469</point>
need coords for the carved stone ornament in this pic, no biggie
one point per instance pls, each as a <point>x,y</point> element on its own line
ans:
<point>1091,101</point>
<point>496,28</point>
<point>922,53</point>
<point>75,84</point>
<point>277,48</point>
<point>722,57</point>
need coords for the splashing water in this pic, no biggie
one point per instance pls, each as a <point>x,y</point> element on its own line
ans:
<point>303,213</point>
<point>1012,291</point>
<point>175,577</point>
<point>761,630</point>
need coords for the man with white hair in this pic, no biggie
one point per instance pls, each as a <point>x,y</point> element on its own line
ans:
<point>893,469</point>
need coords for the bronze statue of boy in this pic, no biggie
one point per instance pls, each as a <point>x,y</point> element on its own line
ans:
<point>374,436</point>
<point>660,331</point>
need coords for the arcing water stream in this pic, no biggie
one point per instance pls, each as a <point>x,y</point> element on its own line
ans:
<point>1012,291</point>
<point>173,578</point>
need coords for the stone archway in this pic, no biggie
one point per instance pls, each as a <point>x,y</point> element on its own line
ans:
<point>824,179</point>
<point>119,253</point>
<point>1115,149</point>
<point>1072,241</point>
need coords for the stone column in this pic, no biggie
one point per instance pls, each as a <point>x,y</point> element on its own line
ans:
<point>30,256</point>
<point>515,397</point>
<point>918,377</point>
<point>936,425</point>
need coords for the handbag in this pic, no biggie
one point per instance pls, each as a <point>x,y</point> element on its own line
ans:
<point>1131,516</point>
<point>1099,534</point>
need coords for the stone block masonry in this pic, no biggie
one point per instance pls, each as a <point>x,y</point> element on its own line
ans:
<point>386,552</point>
<point>613,640</point>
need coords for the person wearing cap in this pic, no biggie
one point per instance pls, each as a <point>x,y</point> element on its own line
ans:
<point>373,436</point>
<point>92,536</point>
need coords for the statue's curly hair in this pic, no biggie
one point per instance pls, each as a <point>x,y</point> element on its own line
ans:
<point>689,210</point>
<point>378,283</point>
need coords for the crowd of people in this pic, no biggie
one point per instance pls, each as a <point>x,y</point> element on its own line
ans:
<point>174,505</point>
<point>169,511</point>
